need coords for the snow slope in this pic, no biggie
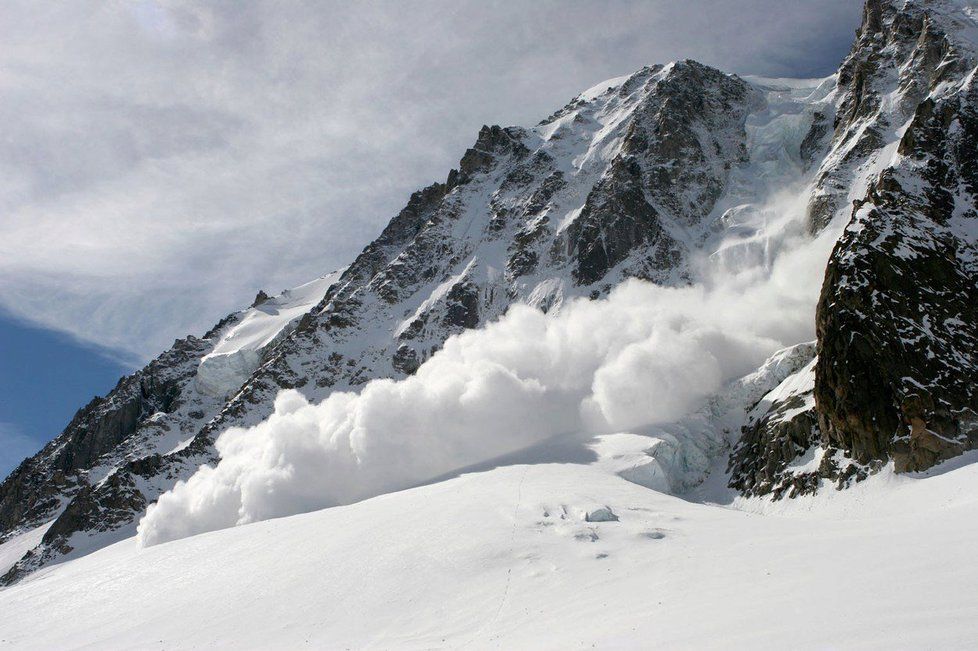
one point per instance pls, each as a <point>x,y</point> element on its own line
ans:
<point>15,547</point>
<point>507,559</point>
<point>238,352</point>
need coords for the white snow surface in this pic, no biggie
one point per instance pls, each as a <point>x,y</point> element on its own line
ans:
<point>16,546</point>
<point>505,559</point>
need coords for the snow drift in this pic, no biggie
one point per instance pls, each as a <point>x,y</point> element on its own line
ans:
<point>645,355</point>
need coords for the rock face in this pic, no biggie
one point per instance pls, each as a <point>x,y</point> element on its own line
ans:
<point>897,320</point>
<point>780,430</point>
<point>35,490</point>
<point>633,178</point>
<point>898,316</point>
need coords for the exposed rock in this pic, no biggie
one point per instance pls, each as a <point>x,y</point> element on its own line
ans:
<point>615,219</point>
<point>898,316</point>
<point>601,514</point>
<point>897,320</point>
<point>260,298</point>
<point>493,142</point>
<point>814,143</point>
<point>34,490</point>
<point>406,359</point>
<point>782,429</point>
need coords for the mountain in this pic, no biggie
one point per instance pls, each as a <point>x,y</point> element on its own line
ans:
<point>678,174</point>
<point>896,319</point>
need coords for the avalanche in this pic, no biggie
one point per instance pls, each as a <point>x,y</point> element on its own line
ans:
<point>646,356</point>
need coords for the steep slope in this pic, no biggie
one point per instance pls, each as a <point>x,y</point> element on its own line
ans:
<point>898,317</point>
<point>897,338</point>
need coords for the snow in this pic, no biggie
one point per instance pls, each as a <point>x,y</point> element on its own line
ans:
<point>238,352</point>
<point>16,546</point>
<point>600,89</point>
<point>506,559</point>
<point>800,384</point>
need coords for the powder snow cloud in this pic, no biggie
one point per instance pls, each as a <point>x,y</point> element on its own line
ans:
<point>645,355</point>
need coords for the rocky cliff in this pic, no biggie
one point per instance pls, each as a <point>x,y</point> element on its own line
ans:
<point>896,320</point>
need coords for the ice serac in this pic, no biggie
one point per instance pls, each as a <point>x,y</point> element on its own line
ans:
<point>239,351</point>
<point>897,320</point>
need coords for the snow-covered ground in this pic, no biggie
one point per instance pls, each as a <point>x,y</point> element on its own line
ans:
<point>507,559</point>
<point>16,546</point>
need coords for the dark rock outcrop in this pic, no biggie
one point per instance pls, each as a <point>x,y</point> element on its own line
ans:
<point>897,318</point>
<point>761,462</point>
<point>36,489</point>
<point>898,315</point>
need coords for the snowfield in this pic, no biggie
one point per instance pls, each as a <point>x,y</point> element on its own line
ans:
<point>508,559</point>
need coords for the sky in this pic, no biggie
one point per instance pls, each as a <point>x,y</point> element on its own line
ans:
<point>45,377</point>
<point>163,160</point>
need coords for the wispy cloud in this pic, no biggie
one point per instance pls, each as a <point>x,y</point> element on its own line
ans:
<point>164,160</point>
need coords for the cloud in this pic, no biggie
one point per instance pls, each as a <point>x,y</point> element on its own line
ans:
<point>646,355</point>
<point>164,160</point>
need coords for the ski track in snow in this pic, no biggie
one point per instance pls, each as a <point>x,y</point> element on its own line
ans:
<point>509,570</point>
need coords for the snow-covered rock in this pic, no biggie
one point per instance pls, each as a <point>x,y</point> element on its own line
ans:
<point>240,349</point>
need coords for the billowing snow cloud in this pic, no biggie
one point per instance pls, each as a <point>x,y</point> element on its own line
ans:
<point>645,355</point>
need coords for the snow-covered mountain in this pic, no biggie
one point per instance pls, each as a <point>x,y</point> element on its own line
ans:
<point>808,318</point>
<point>897,323</point>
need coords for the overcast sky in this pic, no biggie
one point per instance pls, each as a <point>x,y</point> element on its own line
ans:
<point>162,161</point>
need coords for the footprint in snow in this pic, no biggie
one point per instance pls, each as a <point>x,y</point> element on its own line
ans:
<point>654,535</point>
